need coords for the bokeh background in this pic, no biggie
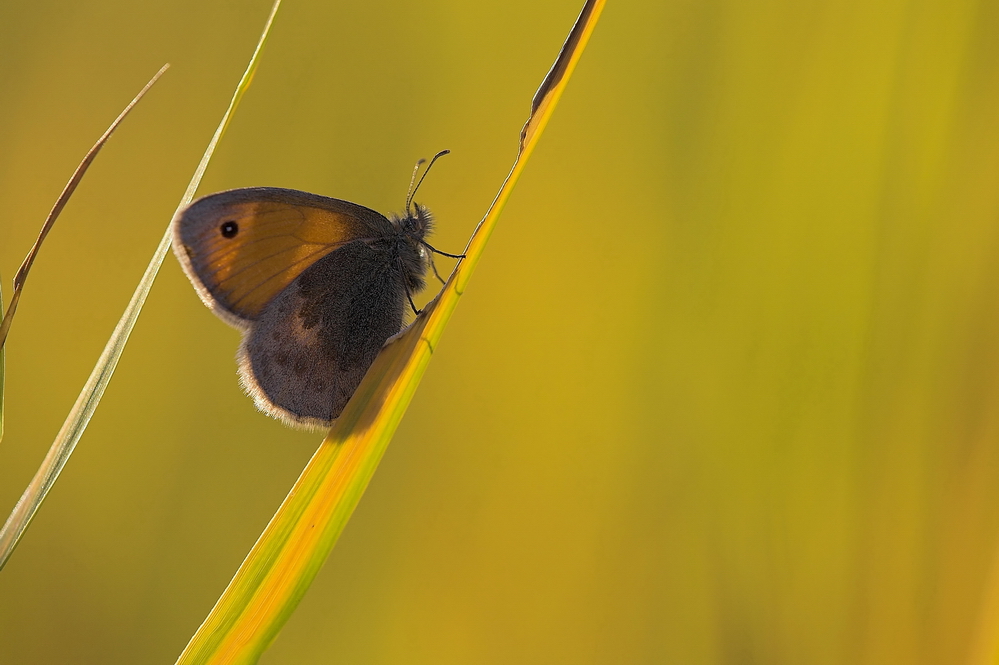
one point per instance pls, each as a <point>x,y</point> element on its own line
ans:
<point>723,389</point>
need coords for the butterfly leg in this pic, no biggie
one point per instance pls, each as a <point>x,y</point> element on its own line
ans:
<point>436,274</point>
<point>408,294</point>
<point>437,251</point>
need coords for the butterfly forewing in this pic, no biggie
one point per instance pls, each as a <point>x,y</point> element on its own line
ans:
<point>244,246</point>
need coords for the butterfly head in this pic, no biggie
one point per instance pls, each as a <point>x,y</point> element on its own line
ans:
<point>416,223</point>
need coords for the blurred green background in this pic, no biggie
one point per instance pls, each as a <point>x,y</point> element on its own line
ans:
<point>723,389</point>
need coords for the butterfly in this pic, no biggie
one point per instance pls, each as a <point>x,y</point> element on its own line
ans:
<point>316,285</point>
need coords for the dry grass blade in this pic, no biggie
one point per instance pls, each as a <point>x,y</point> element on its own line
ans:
<point>78,418</point>
<point>2,354</point>
<point>285,559</point>
<point>67,192</point>
<point>12,530</point>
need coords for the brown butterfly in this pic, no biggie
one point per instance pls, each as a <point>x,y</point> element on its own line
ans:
<point>316,284</point>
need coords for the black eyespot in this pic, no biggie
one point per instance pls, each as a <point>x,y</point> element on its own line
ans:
<point>229,229</point>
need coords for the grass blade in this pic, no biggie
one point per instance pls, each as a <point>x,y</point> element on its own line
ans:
<point>18,521</point>
<point>67,192</point>
<point>2,352</point>
<point>285,559</point>
<point>985,642</point>
<point>78,418</point>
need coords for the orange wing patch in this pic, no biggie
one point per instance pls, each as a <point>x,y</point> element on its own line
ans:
<point>270,244</point>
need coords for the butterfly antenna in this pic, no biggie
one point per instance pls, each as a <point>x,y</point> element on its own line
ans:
<point>412,192</point>
<point>409,192</point>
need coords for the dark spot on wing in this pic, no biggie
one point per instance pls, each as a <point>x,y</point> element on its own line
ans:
<point>229,229</point>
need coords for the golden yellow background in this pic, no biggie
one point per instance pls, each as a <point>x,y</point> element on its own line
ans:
<point>723,390</point>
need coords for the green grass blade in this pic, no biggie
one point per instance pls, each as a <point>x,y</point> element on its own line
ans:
<point>78,418</point>
<point>285,559</point>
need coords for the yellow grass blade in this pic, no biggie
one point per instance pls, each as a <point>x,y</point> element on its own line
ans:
<point>78,418</point>
<point>985,644</point>
<point>282,564</point>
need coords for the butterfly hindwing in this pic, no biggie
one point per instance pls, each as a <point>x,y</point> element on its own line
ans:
<point>244,246</point>
<point>309,348</point>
